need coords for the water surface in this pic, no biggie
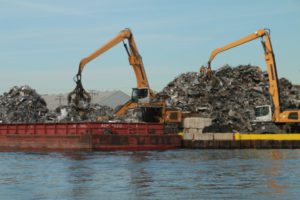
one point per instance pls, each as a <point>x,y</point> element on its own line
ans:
<point>173,174</point>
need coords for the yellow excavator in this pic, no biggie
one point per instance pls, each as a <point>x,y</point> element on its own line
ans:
<point>284,121</point>
<point>141,95</point>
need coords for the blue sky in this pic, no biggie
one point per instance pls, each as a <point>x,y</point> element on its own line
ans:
<point>43,41</point>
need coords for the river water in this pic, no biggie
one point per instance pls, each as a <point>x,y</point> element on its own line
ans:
<point>172,174</point>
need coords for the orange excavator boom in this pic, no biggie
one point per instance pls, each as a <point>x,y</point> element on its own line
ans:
<point>135,61</point>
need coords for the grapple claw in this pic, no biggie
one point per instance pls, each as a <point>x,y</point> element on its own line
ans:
<point>79,98</point>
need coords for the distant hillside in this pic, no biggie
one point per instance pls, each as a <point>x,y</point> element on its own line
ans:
<point>108,98</point>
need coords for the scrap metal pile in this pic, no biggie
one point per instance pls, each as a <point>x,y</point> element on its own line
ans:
<point>72,114</point>
<point>24,105</point>
<point>228,98</point>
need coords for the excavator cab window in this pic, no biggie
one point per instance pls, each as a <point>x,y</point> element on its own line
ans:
<point>139,93</point>
<point>293,115</point>
<point>261,111</point>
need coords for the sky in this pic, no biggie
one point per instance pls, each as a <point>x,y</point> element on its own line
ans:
<point>43,41</point>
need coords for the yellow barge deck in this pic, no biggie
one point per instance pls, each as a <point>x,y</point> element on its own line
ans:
<point>241,141</point>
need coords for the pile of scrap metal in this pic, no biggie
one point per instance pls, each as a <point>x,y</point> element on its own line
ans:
<point>24,105</point>
<point>70,113</point>
<point>229,98</point>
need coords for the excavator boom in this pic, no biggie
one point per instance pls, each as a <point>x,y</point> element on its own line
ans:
<point>134,59</point>
<point>248,38</point>
<point>113,42</point>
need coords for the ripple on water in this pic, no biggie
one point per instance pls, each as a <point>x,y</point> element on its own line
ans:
<point>174,174</point>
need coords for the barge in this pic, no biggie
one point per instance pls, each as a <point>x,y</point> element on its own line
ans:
<point>86,136</point>
<point>241,141</point>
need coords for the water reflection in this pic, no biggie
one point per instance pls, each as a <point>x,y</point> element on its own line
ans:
<point>140,178</point>
<point>274,173</point>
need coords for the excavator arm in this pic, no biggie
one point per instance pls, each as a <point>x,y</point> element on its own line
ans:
<point>134,59</point>
<point>270,61</point>
<point>257,34</point>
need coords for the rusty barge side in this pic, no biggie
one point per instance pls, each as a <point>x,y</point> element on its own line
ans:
<point>86,136</point>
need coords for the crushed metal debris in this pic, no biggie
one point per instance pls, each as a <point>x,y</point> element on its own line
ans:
<point>228,99</point>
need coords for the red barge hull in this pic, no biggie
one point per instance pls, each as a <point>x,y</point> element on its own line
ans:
<point>86,136</point>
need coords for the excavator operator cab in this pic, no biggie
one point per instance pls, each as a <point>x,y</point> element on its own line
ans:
<point>140,95</point>
<point>263,113</point>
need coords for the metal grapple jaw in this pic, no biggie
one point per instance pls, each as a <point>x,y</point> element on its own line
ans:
<point>79,98</point>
